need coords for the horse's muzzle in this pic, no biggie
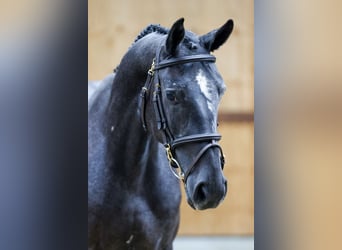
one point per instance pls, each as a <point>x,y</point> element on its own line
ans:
<point>207,195</point>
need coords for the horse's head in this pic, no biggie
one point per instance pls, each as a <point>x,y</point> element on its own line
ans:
<point>187,89</point>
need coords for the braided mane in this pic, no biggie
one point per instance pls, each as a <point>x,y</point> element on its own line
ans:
<point>148,30</point>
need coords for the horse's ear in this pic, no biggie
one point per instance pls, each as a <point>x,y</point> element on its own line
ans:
<point>175,36</point>
<point>214,39</point>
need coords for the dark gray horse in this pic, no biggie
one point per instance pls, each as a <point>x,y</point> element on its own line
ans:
<point>157,113</point>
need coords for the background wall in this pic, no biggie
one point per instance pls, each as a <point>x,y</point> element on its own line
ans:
<point>112,27</point>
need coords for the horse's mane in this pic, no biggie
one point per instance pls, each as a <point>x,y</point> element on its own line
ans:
<point>148,30</point>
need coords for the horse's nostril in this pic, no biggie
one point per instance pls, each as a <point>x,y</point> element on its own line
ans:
<point>200,193</point>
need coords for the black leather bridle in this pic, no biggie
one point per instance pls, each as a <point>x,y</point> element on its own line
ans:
<point>153,84</point>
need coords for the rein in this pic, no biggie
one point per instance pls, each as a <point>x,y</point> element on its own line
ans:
<point>171,143</point>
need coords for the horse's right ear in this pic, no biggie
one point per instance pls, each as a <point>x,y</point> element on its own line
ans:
<point>175,36</point>
<point>214,39</point>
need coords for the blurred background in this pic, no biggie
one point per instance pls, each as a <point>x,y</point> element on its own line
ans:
<point>113,26</point>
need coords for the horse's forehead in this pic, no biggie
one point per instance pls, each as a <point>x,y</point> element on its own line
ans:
<point>200,80</point>
<point>191,39</point>
<point>198,73</point>
<point>191,36</point>
<point>208,89</point>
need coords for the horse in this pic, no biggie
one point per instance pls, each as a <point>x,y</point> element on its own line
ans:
<point>152,120</point>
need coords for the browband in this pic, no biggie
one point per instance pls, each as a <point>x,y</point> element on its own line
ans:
<point>184,59</point>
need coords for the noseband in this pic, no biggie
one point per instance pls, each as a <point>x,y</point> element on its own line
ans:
<point>171,143</point>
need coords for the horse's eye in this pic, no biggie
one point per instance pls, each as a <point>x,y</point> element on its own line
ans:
<point>171,96</point>
<point>175,96</point>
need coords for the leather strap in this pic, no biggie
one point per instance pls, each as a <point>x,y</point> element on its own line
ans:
<point>199,156</point>
<point>195,138</point>
<point>143,98</point>
<point>185,59</point>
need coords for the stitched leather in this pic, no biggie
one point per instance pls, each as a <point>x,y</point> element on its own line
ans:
<point>199,156</point>
<point>195,138</point>
<point>185,59</point>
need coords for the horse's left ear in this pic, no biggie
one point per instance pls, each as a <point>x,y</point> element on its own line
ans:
<point>175,36</point>
<point>214,39</point>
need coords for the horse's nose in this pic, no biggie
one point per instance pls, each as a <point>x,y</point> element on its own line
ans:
<point>207,195</point>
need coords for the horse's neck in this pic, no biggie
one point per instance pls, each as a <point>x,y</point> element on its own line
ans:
<point>130,149</point>
<point>132,72</point>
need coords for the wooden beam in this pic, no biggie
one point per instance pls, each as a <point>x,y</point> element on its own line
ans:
<point>236,117</point>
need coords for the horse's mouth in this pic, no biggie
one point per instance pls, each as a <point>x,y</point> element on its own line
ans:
<point>203,207</point>
<point>189,200</point>
<point>191,204</point>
